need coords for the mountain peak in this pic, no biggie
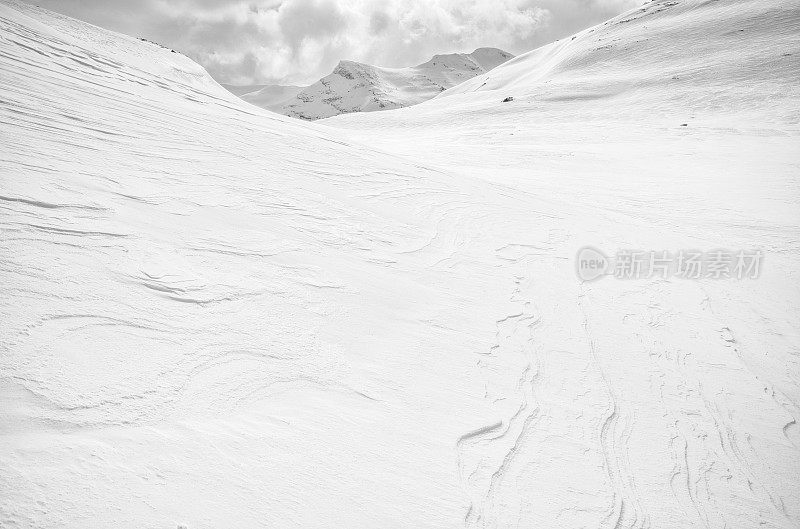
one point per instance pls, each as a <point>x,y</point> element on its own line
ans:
<point>358,87</point>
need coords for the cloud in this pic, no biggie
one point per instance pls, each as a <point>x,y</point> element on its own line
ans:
<point>298,41</point>
<point>378,22</point>
<point>311,19</point>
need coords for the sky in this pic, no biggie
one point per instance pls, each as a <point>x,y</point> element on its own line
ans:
<point>247,42</point>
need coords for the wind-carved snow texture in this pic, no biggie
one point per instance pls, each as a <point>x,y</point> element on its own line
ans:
<point>216,316</point>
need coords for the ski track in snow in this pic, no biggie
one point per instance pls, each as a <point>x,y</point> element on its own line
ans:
<point>215,316</point>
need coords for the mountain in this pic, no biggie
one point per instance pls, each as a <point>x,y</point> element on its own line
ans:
<point>217,316</point>
<point>358,87</point>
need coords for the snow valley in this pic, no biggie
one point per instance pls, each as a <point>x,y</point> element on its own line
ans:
<point>213,315</point>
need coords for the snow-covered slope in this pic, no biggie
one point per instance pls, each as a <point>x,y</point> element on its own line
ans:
<point>212,315</point>
<point>358,87</point>
<point>715,57</point>
<point>240,90</point>
<point>216,316</point>
<point>271,97</point>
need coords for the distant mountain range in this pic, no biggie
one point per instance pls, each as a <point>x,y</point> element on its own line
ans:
<point>359,87</point>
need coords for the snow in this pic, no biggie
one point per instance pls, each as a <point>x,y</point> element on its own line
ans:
<point>240,90</point>
<point>271,97</point>
<point>217,316</point>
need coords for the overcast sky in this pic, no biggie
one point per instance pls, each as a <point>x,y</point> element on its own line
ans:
<point>299,41</point>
